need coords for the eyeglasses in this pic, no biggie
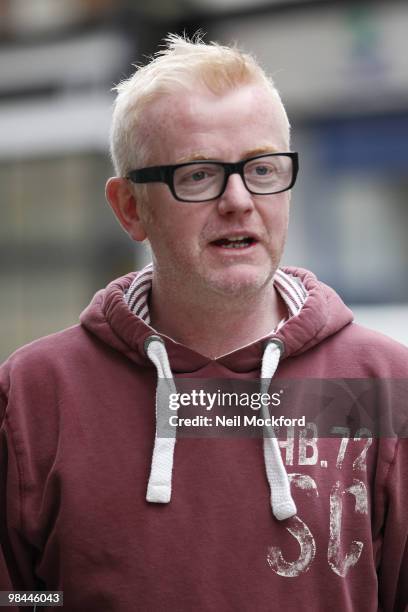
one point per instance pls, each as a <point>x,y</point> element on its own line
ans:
<point>201,181</point>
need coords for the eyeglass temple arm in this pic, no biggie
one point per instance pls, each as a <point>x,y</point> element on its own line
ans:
<point>149,175</point>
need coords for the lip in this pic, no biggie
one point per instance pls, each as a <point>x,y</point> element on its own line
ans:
<point>234,251</point>
<point>235,234</point>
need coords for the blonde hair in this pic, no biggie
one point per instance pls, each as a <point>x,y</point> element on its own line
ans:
<point>183,64</point>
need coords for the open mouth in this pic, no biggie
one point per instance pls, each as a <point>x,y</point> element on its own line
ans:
<point>239,242</point>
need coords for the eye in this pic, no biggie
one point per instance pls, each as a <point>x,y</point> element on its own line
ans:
<point>263,170</point>
<point>192,175</point>
<point>197,176</point>
<point>260,169</point>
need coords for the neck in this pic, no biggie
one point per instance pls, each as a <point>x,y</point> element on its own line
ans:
<point>216,326</point>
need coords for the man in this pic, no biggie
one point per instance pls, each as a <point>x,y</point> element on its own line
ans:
<point>99,503</point>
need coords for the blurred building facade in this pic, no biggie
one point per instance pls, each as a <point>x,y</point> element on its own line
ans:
<point>340,68</point>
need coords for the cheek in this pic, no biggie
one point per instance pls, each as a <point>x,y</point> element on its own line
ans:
<point>172,225</point>
<point>278,218</point>
<point>170,231</point>
<point>283,208</point>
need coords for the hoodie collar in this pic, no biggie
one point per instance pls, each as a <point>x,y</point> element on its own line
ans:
<point>289,288</point>
<point>322,314</point>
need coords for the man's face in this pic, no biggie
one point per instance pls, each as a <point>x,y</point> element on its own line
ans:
<point>185,237</point>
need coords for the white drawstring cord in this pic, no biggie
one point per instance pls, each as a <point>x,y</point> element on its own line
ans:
<point>160,480</point>
<point>282,503</point>
<point>159,486</point>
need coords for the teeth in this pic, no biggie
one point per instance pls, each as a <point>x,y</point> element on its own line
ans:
<point>234,242</point>
<point>234,246</point>
<point>238,242</point>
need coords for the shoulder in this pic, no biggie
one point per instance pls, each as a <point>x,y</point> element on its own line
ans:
<point>369,339</point>
<point>378,354</point>
<point>42,358</point>
<point>51,344</point>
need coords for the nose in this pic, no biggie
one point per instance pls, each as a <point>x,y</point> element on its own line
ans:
<point>236,197</point>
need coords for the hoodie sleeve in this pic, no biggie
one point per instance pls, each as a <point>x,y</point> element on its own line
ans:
<point>5,581</point>
<point>393,569</point>
<point>16,556</point>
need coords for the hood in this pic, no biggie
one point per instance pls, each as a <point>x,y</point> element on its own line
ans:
<point>108,318</point>
<point>320,314</point>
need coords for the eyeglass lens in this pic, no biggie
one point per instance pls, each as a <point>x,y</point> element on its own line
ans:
<point>268,174</point>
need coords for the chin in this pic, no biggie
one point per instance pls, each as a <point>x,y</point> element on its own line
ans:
<point>242,285</point>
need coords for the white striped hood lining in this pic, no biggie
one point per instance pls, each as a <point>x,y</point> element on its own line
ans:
<point>289,288</point>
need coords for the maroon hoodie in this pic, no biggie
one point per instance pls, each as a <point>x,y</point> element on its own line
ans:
<point>77,414</point>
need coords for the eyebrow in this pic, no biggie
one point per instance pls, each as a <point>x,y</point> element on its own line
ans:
<point>193,157</point>
<point>261,151</point>
<point>250,153</point>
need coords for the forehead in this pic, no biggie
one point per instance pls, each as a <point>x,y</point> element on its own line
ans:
<point>188,125</point>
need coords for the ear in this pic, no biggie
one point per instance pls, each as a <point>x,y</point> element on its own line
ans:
<point>121,197</point>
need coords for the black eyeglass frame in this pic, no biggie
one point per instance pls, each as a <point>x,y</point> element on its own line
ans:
<point>165,174</point>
